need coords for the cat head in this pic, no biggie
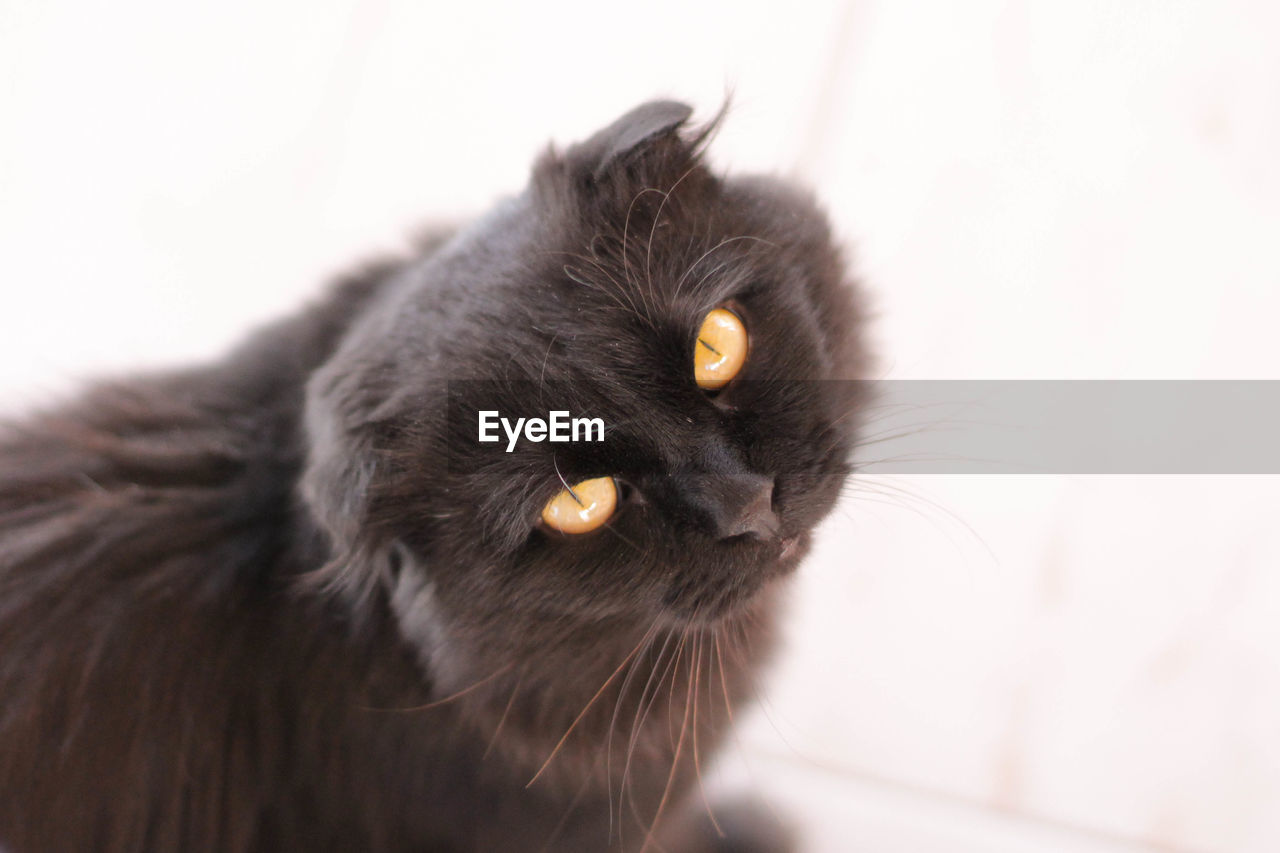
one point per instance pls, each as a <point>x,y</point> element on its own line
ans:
<point>589,293</point>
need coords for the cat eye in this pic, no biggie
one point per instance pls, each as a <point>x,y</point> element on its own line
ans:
<point>721,349</point>
<point>583,507</point>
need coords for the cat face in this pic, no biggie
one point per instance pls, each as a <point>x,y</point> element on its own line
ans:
<point>707,323</point>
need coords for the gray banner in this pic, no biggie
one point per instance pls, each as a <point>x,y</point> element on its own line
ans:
<point>1072,427</point>
<point>938,426</point>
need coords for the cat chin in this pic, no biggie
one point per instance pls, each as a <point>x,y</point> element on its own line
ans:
<point>710,608</point>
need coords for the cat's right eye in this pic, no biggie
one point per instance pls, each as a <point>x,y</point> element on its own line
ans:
<point>720,351</point>
<point>583,507</point>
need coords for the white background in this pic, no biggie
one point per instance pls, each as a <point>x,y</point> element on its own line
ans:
<point>1032,190</point>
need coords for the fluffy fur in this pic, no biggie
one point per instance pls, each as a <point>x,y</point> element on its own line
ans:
<point>287,602</point>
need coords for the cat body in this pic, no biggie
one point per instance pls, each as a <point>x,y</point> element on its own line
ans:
<point>287,602</point>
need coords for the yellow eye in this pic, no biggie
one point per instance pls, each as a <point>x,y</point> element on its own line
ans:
<point>720,350</point>
<point>583,507</point>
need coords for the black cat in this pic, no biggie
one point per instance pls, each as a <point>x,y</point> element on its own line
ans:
<point>289,601</point>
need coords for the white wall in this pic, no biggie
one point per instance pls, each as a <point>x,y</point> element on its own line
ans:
<point>1034,190</point>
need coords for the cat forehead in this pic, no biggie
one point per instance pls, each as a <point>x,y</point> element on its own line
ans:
<point>672,250</point>
<point>625,241</point>
<point>637,205</point>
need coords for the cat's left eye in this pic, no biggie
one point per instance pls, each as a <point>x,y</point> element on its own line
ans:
<point>720,350</point>
<point>583,507</point>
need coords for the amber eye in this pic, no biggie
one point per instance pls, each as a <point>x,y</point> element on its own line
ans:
<point>720,350</point>
<point>583,507</point>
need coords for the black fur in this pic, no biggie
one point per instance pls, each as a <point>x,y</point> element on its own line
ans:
<point>286,601</point>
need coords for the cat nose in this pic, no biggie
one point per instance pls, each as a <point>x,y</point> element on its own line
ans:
<point>746,508</point>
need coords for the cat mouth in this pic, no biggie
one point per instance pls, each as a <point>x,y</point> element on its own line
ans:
<point>721,598</point>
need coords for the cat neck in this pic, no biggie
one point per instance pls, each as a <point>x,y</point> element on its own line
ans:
<point>579,698</point>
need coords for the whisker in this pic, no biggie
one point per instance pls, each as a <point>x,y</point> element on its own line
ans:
<point>609,526</point>
<point>450,698</point>
<point>761,700</point>
<point>642,713</point>
<point>680,281</point>
<point>555,465</point>
<point>626,228</point>
<point>724,682</point>
<point>542,375</point>
<point>666,196</point>
<point>573,804</point>
<point>649,637</point>
<point>733,730</point>
<point>584,711</point>
<point>697,762</point>
<point>675,765</point>
<point>671,694</point>
<point>574,274</point>
<point>859,487</point>
<point>501,720</point>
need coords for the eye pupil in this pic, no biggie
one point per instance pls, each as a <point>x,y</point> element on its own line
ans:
<point>721,349</point>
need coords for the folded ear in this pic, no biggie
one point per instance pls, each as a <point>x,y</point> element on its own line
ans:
<point>630,136</point>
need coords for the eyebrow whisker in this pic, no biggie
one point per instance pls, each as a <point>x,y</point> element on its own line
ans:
<point>556,465</point>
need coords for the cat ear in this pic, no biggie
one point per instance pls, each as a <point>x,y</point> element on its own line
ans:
<point>630,136</point>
